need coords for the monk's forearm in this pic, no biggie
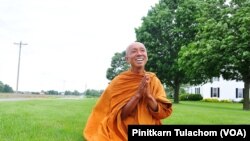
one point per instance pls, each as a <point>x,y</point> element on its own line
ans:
<point>130,106</point>
<point>152,103</point>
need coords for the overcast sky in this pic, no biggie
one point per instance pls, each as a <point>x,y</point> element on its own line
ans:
<point>70,43</point>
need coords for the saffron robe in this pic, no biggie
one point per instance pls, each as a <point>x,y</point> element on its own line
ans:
<point>105,123</point>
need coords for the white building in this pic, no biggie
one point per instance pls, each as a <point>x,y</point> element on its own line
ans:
<point>220,89</point>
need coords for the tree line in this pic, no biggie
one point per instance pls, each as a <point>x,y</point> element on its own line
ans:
<point>5,88</point>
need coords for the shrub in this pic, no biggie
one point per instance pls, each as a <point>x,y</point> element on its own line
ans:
<point>191,97</point>
<point>217,100</point>
<point>211,100</point>
<point>226,101</point>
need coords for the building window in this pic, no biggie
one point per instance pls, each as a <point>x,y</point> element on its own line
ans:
<point>239,92</point>
<point>215,92</point>
<point>197,91</point>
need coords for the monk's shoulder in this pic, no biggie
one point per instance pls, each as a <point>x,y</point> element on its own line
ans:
<point>152,74</point>
<point>120,75</point>
<point>154,77</point>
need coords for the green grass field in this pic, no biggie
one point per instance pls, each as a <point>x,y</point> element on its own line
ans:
<point>64,119</point>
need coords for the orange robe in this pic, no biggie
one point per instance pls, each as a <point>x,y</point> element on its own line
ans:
<point>104,122</point>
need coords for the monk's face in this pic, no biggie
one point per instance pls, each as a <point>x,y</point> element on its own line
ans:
<point>137,55</point>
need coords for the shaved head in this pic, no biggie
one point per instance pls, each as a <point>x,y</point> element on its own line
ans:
<point>134,44</point>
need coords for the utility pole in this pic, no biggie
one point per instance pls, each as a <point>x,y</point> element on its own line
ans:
<point>18,68</point>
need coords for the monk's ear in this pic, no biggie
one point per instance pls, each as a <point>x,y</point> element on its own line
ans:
<point>126,58</point>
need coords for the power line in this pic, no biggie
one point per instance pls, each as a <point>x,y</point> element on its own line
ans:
<point>18,68</point>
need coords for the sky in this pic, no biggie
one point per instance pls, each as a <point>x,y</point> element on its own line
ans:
<point>69,43</point>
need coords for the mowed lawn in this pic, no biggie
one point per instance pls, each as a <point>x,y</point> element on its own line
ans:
<point>64,119</point>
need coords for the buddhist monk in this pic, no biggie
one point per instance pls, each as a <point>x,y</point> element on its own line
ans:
<point>133,97</point>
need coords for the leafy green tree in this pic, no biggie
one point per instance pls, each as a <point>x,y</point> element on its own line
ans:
<point>222,46</point>
<point>53,92</point>
<point>92,93</point>
<point>1,86</point>
<point>76,92</point>
<point>118,65</point>
<point>167,27</point>
<point>67,93</point>
<point>7,89</point>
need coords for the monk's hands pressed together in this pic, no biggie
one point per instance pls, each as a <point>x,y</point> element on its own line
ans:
<point>144,89</point>
<point>146,92</point>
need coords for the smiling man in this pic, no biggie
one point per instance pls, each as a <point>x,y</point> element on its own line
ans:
<point>133,97</point>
